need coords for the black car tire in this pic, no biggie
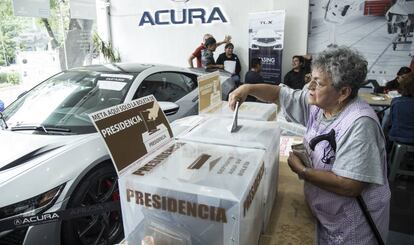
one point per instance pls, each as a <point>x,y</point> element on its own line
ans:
<point>107,226</point>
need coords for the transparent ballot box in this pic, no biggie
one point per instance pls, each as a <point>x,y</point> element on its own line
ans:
<point>253,135</point>
<point>194,193</point>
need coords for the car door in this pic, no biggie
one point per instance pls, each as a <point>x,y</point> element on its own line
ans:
<point>177,87</point>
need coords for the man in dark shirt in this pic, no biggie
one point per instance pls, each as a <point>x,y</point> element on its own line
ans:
<point>253,76</point>
<point>295,78</point>
<point>228,55</point>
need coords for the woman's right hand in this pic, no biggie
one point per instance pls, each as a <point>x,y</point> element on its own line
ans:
<point>239,95</point>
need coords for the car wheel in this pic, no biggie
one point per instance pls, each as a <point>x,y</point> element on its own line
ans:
<point>98,186</point>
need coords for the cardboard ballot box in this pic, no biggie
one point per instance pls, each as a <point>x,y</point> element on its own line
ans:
<point>189,191</point>
<point>253,135</point>
<point>210,102</point>
<point>181,192</point>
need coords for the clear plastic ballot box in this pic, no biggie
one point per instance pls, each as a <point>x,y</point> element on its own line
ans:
<point>194,193</point>
<point>253,135</point>
<point>181,192</point>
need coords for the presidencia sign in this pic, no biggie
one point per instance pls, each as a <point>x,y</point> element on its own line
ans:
<point>132,130</point>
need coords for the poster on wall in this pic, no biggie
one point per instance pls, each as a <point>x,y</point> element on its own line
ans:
<point>381,30</point>
<point>83,9</point>
<point>39,8</point>
<point>266,31</point>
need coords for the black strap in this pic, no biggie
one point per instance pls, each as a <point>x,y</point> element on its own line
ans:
<point>371,223</point>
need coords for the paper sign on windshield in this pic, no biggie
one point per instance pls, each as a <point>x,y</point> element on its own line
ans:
<point>132,130</point>
<point>209,92</point>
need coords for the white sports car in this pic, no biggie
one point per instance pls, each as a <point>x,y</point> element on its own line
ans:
<point>52,159</point>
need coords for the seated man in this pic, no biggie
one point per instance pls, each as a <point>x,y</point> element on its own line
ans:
<point>230,56</point>
<point>207,55</point>
<point>253,75</point>
<point>1,106</point>
<point>295,78</point>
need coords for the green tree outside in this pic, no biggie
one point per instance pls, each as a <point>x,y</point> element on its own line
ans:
<point>10,26</point>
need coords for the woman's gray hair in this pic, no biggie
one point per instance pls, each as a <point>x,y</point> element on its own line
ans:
<point>346,67</point>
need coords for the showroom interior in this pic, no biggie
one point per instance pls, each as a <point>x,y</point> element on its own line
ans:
<point>206,122</point>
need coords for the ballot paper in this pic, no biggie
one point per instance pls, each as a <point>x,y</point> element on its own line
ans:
<point>234,127</point>
<point>230,66</point>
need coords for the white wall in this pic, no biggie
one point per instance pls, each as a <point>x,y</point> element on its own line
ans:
<point>296,29</point>
<point>173,44</point>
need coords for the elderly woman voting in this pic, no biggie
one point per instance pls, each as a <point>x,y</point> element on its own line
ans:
<point>346,185</point>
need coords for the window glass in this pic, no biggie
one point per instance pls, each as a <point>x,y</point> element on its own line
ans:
<point>32,48</point>
<point>166,86</point>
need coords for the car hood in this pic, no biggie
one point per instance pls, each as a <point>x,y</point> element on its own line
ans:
<point>18,148</point>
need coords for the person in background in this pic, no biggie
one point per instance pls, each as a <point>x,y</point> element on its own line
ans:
<point>229,55</point>
<point>207,55</point>
<point>197,52</point>
<point>393,84</point>
<point>402,112</point>
<point>253,76</point>
<point>1,106</point>
<point>295,78</point>
<point>345,145</point>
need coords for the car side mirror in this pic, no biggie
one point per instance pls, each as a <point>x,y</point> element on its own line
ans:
<point>169,108</point>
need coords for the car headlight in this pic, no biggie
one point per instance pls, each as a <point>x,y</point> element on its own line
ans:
<point>34,205</point>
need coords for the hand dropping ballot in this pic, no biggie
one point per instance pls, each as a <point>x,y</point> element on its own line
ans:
<point>234,127</point>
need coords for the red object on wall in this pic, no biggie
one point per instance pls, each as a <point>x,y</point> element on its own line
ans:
<point>376,8</point>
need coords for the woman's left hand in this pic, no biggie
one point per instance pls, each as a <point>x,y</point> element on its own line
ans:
<point>295,163</point>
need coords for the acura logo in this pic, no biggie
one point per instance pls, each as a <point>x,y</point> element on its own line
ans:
<point>17,222</point>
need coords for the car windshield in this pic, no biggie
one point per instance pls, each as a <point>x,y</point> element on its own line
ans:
<point>62,103</point>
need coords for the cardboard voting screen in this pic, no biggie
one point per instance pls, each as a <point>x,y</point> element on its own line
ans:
<point>209,92</point>
<point>210,102</point>
<point>132,130</point>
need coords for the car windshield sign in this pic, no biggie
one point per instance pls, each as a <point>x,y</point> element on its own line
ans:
<point>65,100</point>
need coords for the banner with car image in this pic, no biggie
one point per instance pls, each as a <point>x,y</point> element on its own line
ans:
<point>266,32</point>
